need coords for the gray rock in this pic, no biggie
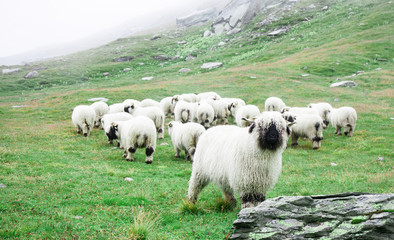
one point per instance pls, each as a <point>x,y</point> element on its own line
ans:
<point>183,42</point>
<point>221,44</point>
<point>77,217</point>
<point>141,64</point>
<point>155,37</point>
<point>189,57</point>
<point>233,31</point>
<point>325,8</point>
<point>184,70</point>
<point>161,57</point>
<point>2,185</point>
<point>211,65</point>
<point>344,84</point>
<point>31,74</point>
<point>39,68</point>
<point>126,69</point>
<point>101,99</point>
<point>164,144</point>
<point>339,216</point>
<point>128,179</point>
<point>208,33</point>
<point>124,59</point>
<point>146,78</point>
<point>196,17</point>
<point>6,71</point>
<point>278,32</point>
<point>106,74</point>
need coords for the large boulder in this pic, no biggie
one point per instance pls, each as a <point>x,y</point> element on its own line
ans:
<point>339,216</point>
<point>196,17</point>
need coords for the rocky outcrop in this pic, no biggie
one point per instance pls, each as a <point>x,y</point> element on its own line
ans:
<point>211,65</point>
<point>31,74</point>
<point>196,18</point>
<point>344,84</point>
<point>6,71</point>
<point>124,59</point>
<point>340,216</point>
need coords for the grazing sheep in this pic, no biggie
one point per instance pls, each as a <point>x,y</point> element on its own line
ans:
<point>307,126</point>
<point>234,104</point>
<point>205,114</point>
<point>344,117</point>
<point>83,117</point>
<point>322,109</point>
<point>193,97</point>
<point>141,134</point>
<point>274,104</point>
<point>166,107</point>
<point>115,108</point>
<point>300,110</point>
<point>220,108</point>
<point>183,112</point>
<point>149,103</point>
<point>100,108</point>
<point>194,107</point>
<point>246,161</point>
<point>184,136</point>
<point>154,113</point>
<point>109,118</point>
<point>118,130</point>
<point>247,112</point>
<point>206,95</point>
<point>130,104</point>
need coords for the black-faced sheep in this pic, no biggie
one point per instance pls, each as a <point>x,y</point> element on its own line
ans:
<point>83,117</point>
<point>344,117</point>
<point>115,108</point>
<point>205,114</point>
<point>184,136</point>
<point>274,104</point>
<point>107,121</point>
<point>154,113</point>
<point>247,161</point>
<point>323,109</point>
<point>234,104</point>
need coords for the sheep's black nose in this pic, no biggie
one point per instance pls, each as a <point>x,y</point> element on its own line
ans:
<point>272,135</point>
<point>85,134</point>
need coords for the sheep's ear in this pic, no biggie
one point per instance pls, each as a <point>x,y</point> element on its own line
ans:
<point>230,106</point>
<point>170,124</point>
<point>115,125</point>
<point>248,120</point>
<point>289,124</point>
<point>288,130</point>
<point>252,127</point>
<point>309,105</point>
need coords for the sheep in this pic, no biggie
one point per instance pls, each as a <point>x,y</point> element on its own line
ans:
<point>140,133</point>
<point>130,104</point>
<point>100,108</point>
<point>166,107</point>
<point>184,136</point>
<point>118,130</point>
<point>83,117</point>
<point>247,112</point>
<point>300,110</point>
<point>193,97</point>
<point>234,104</point>
<point>194,107</point>
<point>205,114</point>
<point>183,112</point>
<point>115,108</point>
<point>322,109</point>
<point>206,95</point>
<point>274,104</point>
<point>149,103</point>
<point>246,161</point>
<point>154,113</point>
<point>308,126</point>
<point>220,107</point>
<point>344,117</point>
<point>109,118</point>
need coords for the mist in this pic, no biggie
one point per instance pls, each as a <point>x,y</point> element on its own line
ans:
<point>38,29</point>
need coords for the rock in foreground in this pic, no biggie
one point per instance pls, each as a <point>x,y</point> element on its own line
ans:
<point>340,216</point>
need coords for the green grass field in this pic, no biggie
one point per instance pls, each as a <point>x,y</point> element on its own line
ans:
<point>62,185</point>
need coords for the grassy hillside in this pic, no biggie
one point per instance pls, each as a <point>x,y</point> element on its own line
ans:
<point>61,185</point>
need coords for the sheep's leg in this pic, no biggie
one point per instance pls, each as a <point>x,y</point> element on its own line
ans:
<point>252,199</point>
<point>196,184</point>
<point>338,131</point>
<point>79,129</point>
<point>130,153</point>
<point>160,133</point>
<point>351,131</point>
<point>229,196</point>
<point>294,140</point>
<point>124,154</point>
<point>225,121</point>
<point>149,152</point>
<point>348,131</point>
<point>177,152</point>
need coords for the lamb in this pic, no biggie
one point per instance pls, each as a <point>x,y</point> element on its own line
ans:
<point>140,132</point>
<point>246,161</point>
<point>247,112</point>
<point>234,104</point>
<point>185,137</point>
<point>83,117</point>
<point>274,104</point>
<point>154,113</point>
<point>322,109</point>
<point>115,108</point>
<point>100,108</point>
<point>344,117</point>
<point>166,107</point>
<point>149,103</point>
<point>183,112</point>
<point>206,95</point>
<point>308,126</point>
<point>109,118</point>
<point>205,114</point>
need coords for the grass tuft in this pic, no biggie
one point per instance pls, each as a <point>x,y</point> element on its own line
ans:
<point>223,205</point>
<point>189,208</point>
<point>144,223</point>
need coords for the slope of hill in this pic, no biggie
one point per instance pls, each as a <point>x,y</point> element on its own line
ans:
<point>61,185</point>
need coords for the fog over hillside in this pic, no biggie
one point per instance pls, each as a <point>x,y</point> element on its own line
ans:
<point>154,16</point>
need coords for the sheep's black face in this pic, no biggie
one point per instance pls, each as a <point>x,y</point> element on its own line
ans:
<point>268,137</point>
<point>111,134</point>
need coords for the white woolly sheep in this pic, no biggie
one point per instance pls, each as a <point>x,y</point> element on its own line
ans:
<point>100,108</point>
<point>307,126</point>
<point>206,95</point>
<point>166,107</point>
<point>118,130</point>
<point>109,118</point>
<point>183,112</point>
<point>205,114</point>
<point>247,112</point>
<point>149,103</point>
<point>184,136</point>
<point>130,104</point>
<point>115,108</point>
<point>234,104</point>
<point>154,113</point>
<point>344,117</point>
<point>141,134</point>
<point>300,110</point>
<point>220,108</point>
<point>83,117</point>
<point>194,107</point>
<point>274,104</point>
<point>246,161</point>
<point>322,109</point>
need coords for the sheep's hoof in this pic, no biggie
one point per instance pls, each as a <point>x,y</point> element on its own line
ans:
<point>149,162</point>
<point>294,144</point>
<point>129,159</point>
<point>124,155</point>
<point>346,133</point>
<point>315,148</point>
<point>85,134</point>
